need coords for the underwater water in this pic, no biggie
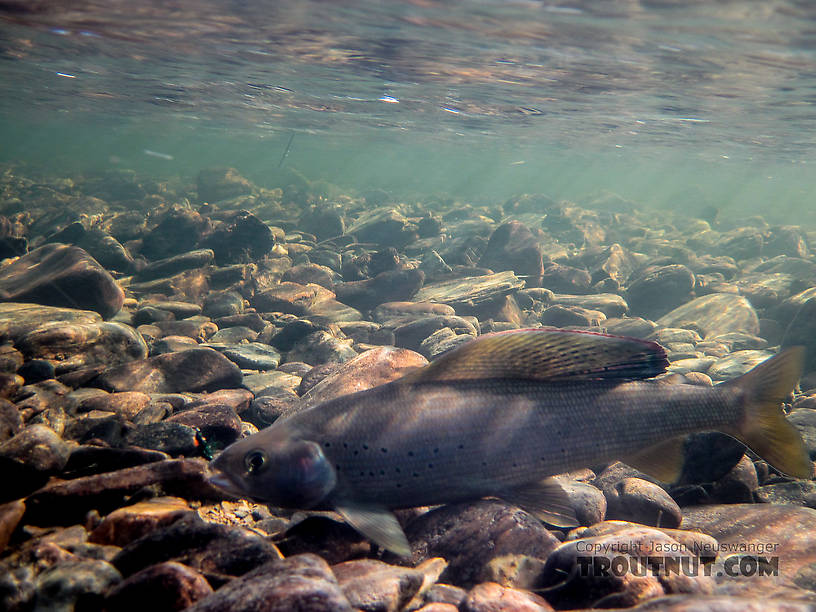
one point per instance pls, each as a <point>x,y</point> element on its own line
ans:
<point>477,99</point>
<point>272,274</point>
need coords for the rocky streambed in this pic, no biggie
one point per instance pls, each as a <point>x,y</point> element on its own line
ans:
<point>146,325</point>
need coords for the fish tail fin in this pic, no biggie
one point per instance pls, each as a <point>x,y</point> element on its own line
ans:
<point>762,426</point>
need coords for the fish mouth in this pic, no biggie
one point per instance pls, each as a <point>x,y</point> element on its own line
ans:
<point>221,481</point>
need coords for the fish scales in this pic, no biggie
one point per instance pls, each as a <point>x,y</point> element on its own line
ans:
<point>420,444</point>
<point>499,416</point>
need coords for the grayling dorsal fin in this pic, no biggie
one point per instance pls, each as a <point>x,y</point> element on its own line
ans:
<point>546,500</point>
<point>663,461</point>
<point>547,354</point>
<point>377,524</point>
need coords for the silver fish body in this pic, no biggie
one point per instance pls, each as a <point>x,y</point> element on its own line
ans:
<point>497,417</point>
<point>416,444</point>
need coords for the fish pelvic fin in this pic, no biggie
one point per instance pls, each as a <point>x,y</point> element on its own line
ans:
<point>547,354</point>
<point>663,461</point>
<point>546,500</point>
<point>377,524</point>
<point>763,427</point>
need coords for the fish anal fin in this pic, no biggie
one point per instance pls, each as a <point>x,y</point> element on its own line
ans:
<point>546,500</point>
<point>377,524</point>
<point>663,461</point>
<point>547,354</point>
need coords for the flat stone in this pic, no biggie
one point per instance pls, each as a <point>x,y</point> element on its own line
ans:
<point>217,423</point>
<point>375,586</point>
<point>714,315</point>
<point>385,226</point>
<point>271,382</point>
<point>268,408</point>
<point>389,312</point>
<point>291,298</point>
<point>410,335</point>
<point>240,238</point>
<point>86,460</point>
<point>198,369</point>
<point>798,493</point>
<point>612,305</point>
<point>108,491</point>
<point>321,347</point>
<point>737,364</point>
<point>175,439</point>
<point>62,276</point>
<point>512,246</point>
<point>68,584</point>
<point>125,403</point>
<point>655,290</point>
<point>223,304</point>
<point>571,316</point>
<point>165,586</point>
<point>370,369</point>
<point>11,421</point>
<point>768,530</point>
<point>252,356</point>
<point>75,346</point>
<point>217,550</point>
<point>29,458</point>
<point>566,589</point>
<point>124,525</point>
<point>470,290</point>
<point>169,266</point>
<point>302,582</point>
<point>640,501</point>
<point>10,515</point>
<point>469,535</point>
<point>388,286</point>
<point>492,597</point>
<point>233,335</point>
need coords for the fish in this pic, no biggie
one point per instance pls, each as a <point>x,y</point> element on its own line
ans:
<point>501,416</point>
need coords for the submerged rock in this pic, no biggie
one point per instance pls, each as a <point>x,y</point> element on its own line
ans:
<point>714,315</point>
<point>62,276</point>
<point>197,369</point>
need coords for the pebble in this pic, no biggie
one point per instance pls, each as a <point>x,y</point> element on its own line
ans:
<point>29,459</point>
<point>10,515</point>
<point>492,597</point>
<point>124,525</point>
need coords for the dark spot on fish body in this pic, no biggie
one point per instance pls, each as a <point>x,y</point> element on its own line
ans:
<point>365,446</point>
<point>384,450</point>
<point>410,453</point>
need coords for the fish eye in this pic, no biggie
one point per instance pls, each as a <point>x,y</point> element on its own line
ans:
<point>255,461</point>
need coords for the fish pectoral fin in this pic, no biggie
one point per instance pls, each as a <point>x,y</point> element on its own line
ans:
<point>547,354</point>
<point>377,524</point>
<point>663,461</point>
<point>546,500</point>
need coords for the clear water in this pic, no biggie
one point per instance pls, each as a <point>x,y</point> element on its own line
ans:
<point>662,102</point>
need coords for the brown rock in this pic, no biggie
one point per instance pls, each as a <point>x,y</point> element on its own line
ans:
<point>302,582</point>
<point>168,586</point>
<point>512,246</point>
<point>375,586</point>
<point>492,597</point>
<point>126,403</point>
<point>640,501</point>
<point>388,286</point>
<point>10,515</point>
<point>469,535</point>
<point>124,525</point>
<point>61,275</point>
<point>107,491</point>
<point>198,369</point>
<point>370,369</point>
